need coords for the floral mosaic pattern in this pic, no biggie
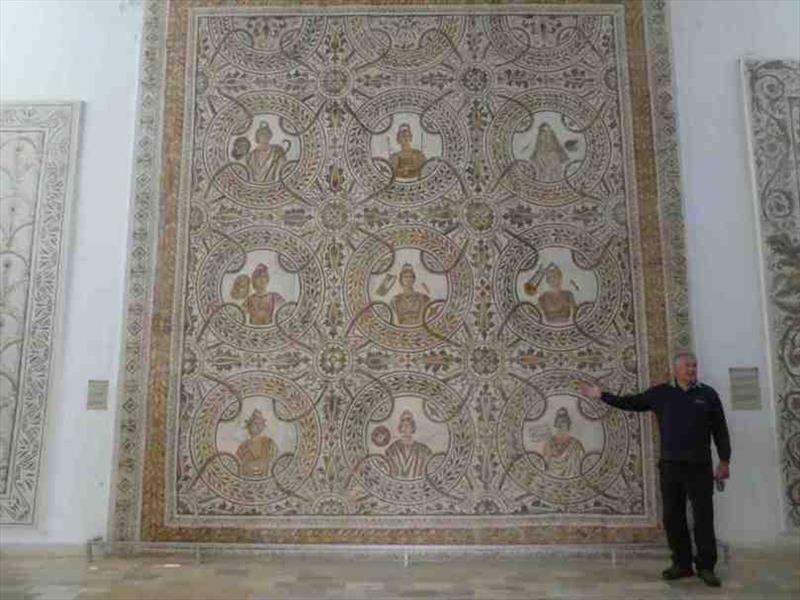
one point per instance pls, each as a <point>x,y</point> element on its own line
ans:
<point>773,100</point>
<point>402,238</point>
<point>37,160</point>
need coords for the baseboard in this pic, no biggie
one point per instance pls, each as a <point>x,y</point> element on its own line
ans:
<point>43,550</point>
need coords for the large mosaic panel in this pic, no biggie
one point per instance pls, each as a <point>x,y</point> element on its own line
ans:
<point>38,149</point>
<point>391,242</point>
<point>773,101</point>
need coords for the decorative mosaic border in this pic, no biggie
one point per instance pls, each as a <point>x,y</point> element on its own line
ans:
<point>772,98</point>
<point>125,515</point>
<point>667,159</point>
<point>131,419</point>
<point>58,124</point>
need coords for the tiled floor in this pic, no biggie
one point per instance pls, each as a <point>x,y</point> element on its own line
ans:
<point>764,575</point>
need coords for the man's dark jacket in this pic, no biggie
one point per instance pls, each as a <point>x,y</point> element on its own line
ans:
<point>686,419</point>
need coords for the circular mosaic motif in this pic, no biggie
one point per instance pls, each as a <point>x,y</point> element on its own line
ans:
<point>562,448</point>
<point>480,218</point>
<point>332,504</point>
<point>335,82</point>
<point>475,80</point>
<point>263,150</point>
<point>256,448</point>
<point>543,42</point>
<point>406,147</point>
<point>381,436</point>
<point>560,287</point>
<point>333,215</point>
<point>260,287</point>
<point>408,289</point>
<point>432,438</point>
<point>333,360</point>
<point>485,361</point>
<point>549,147</point>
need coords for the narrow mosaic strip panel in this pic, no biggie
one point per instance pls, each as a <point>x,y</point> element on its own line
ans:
<point>38,149</point>
<point>772,89</point>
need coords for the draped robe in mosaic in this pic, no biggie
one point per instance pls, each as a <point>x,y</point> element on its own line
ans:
<point>394,243</point>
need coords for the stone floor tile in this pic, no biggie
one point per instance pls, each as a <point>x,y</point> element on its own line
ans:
<point>774,576</point>
<point>54,592</point>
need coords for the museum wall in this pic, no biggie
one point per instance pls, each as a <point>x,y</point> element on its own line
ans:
<point>81,50</point>
<point>88,50</point>
<point>724,278</point>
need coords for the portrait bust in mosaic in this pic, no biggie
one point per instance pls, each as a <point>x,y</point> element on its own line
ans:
<point>402,239</point>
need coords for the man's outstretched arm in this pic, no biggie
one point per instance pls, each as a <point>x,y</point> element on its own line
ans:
<point>635,402</point>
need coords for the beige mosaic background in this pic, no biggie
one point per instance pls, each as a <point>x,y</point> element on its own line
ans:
<point>392,242</point>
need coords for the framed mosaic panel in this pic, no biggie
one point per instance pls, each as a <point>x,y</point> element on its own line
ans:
<point>374,251</point>
<point>772,97</point>
<point>38,153</point>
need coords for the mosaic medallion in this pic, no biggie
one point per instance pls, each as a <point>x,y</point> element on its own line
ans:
<point>396,239</point>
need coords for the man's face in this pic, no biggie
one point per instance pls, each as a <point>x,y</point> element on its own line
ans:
<point>260,282</point>
<point>406,427</point>
<point>255,426</point>
<point>263,136</point>
<point>407,279</point>
<point>686,369</point>
<point>553,278</point>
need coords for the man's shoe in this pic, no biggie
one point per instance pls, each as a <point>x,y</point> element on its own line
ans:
<point>676,572</point>
<point>709,577</point>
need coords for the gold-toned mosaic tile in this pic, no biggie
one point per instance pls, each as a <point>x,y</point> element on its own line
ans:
<point>391,242</point>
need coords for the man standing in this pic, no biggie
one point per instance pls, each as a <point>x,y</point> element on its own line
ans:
<point>689,413</point>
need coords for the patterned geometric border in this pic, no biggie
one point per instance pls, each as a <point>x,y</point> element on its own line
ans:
<point>772,98</point>
<point>667,160</point>
<point>144,212</point>
<point>58,122</point>
<point>131,442</point>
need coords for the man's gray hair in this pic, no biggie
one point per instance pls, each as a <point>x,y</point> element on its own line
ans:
<point>683,354</point>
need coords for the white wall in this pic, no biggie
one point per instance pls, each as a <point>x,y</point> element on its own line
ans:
<point>88,50</point>
<point>84,50</point>
<point>709,37</point>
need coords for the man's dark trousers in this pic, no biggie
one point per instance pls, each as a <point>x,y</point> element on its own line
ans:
<point>680,480</point>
